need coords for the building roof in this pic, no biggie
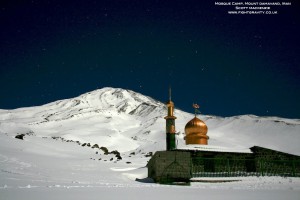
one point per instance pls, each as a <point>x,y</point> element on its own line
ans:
<point>214,149</point>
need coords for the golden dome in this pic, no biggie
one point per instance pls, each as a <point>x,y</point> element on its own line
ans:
<point>195,131</point>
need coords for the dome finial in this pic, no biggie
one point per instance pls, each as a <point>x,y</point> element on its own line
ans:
<point>196,107</point>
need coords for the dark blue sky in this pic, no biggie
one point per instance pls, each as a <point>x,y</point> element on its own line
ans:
<point>229,64</point>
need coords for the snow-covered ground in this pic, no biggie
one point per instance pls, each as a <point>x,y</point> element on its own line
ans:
<point>52,163</point>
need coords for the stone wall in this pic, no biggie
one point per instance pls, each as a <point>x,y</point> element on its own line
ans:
<point>170,166</point>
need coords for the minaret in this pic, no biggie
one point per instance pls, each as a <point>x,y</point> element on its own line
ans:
<point>170,125</point>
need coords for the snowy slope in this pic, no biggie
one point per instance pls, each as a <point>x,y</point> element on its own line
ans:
<point>53,161</point>
<point>110,117</point>
<point>125,120</point>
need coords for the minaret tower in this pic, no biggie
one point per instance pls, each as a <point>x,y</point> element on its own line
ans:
<point>170,125</point>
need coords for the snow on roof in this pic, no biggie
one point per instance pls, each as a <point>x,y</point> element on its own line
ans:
<point>214,149</point>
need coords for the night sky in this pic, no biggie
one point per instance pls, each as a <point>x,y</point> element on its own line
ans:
<point>228,64</point>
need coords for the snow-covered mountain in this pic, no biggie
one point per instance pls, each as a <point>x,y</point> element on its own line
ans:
<point>124,120</point>
<point>55,159</point>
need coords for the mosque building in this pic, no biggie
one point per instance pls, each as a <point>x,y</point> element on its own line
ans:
<point>198,159</point>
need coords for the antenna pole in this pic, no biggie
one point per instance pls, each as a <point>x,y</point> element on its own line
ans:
<point>170,93</point>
